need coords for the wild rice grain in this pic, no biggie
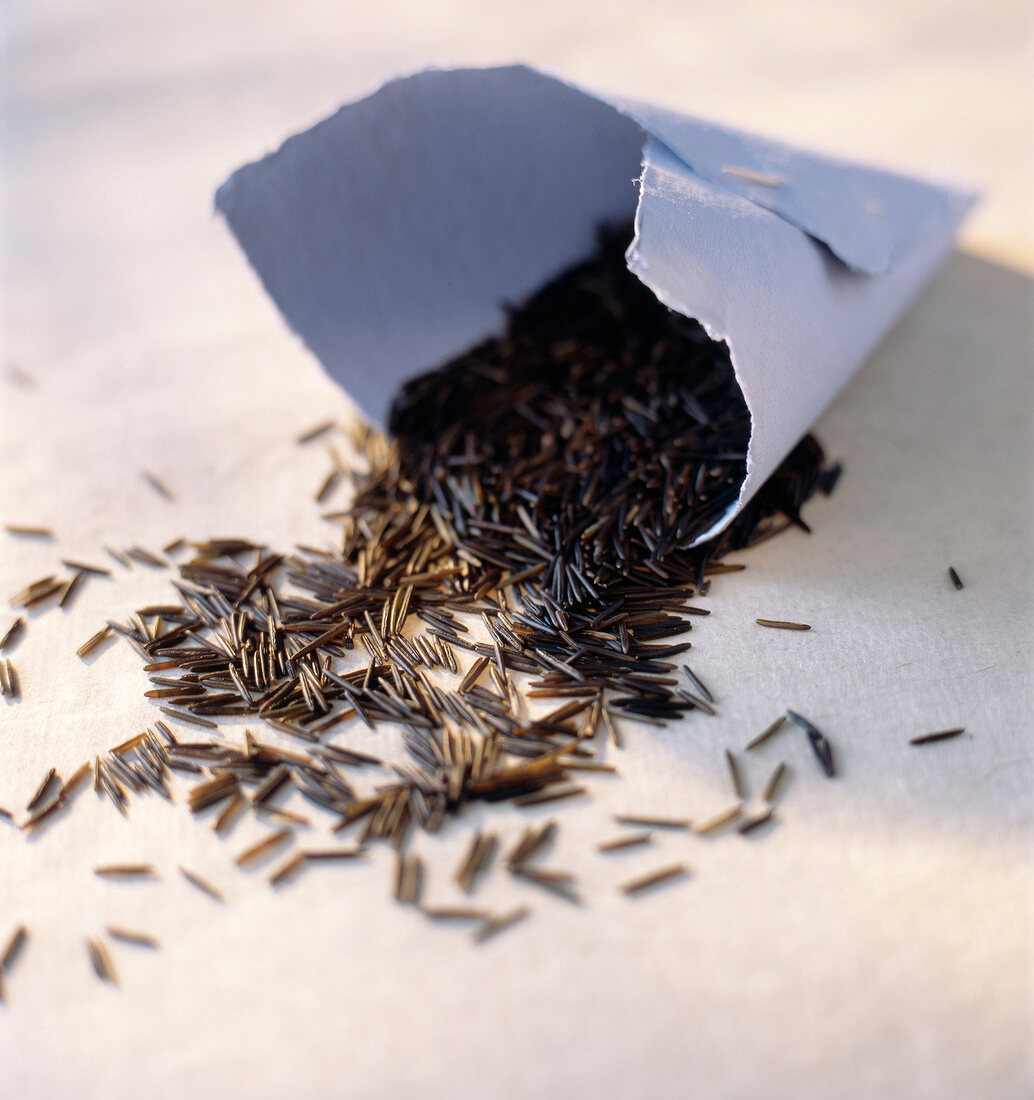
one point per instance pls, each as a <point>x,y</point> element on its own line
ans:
<point>12,635</point>
<point>492,926</point>
<point>756,821</point>
<point>719,821</point>
<point>159,487</point>
<point>202,884</point>
<point>736,776</point>
<point>619,843</point>
<point>650,822</point>
<point>14,948</point>
<point>942,735</point>
<point>654,878</point>
<point>263,848</point>
<point>126,870</point>
<point>821,747</point>
<point>94,642</point>
<point>774,783</point>
<point>767,732</point>
<point>127,935</point>
<point>101,961</point>
<point>28,532</point>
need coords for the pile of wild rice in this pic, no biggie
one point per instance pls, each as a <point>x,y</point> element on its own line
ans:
<point>546,487</point>
<point>526,534</point>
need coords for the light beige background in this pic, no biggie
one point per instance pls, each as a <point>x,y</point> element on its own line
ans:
<point>876,942</point>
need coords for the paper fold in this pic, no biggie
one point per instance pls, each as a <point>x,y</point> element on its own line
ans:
<point>392,234</point>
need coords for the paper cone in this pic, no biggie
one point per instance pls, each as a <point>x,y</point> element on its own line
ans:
<point>391,235</point>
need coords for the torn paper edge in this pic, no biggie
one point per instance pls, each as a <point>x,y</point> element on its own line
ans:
<point>871,313</point>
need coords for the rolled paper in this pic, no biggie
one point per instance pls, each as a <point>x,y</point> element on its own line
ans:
<point>393,235</point>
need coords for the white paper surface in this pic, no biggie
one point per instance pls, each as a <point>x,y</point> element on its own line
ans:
<point>876,943</point>
<point>390,235</point>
